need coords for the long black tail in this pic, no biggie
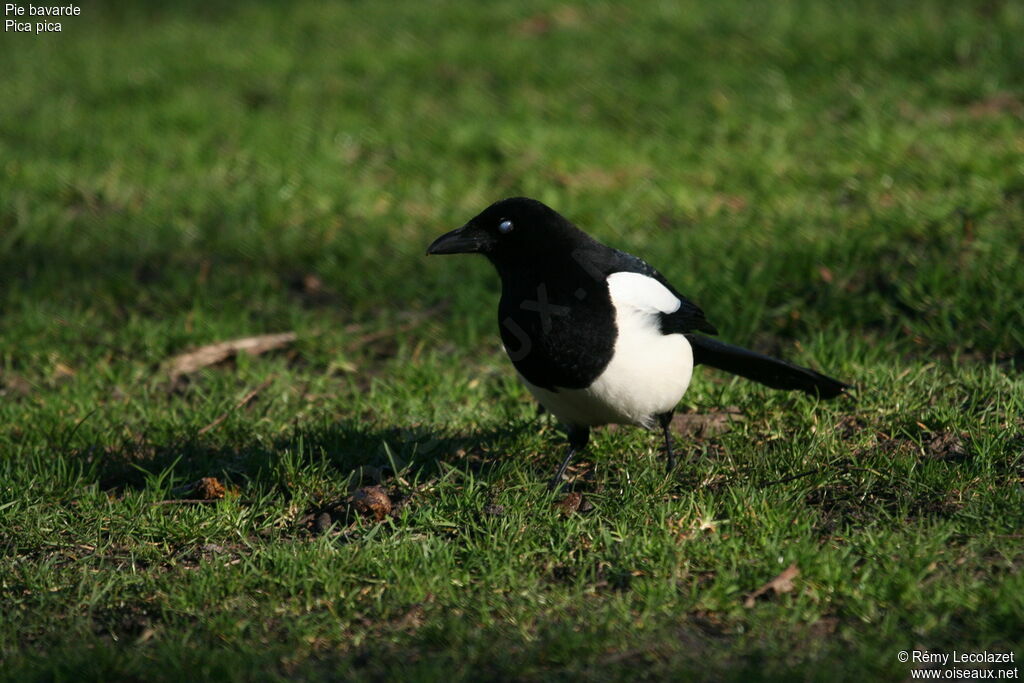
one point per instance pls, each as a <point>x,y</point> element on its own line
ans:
<point>772,372</point>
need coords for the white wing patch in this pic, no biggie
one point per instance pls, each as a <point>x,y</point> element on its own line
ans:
<point>648,372</point>
<point>641,293</point>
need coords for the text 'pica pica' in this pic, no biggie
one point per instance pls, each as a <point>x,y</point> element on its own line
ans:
<point>597,335</point>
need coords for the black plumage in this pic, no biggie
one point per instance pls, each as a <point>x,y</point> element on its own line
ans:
<point>598,335</point>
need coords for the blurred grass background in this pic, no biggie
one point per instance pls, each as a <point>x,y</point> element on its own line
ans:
<point>731,144</point>
<point>842,184</point>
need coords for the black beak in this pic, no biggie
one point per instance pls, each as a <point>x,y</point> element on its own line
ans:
<point>465,240</point>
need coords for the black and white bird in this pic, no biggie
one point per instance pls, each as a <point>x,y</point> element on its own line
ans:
<point>597,335</point>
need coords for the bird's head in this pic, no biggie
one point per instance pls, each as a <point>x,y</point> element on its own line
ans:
<point>510,230</point>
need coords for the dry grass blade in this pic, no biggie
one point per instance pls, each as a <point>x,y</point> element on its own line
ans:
<point>245,400</point>
<point>183,501</point>
<point>14,385</point>
<point>703,425</point>
<point>783,583</point>
<point>415,320</point>
<point>211,354</point>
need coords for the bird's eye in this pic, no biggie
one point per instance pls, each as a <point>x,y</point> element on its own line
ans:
<point>505,227</point>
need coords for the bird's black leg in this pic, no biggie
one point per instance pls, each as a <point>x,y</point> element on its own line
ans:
<point>665,420</point>
<point>578,438</point>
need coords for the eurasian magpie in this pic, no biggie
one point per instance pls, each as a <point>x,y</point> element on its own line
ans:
<point>597,335</point>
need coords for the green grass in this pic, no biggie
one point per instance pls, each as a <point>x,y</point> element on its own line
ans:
<point>840,184</point>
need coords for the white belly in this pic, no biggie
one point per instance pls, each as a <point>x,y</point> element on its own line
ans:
<point>649,372</point>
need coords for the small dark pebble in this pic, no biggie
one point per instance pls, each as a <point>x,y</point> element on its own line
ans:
<point>571,503</point>
<point>574,502</point>
<point>372,501</point>
<point>323,522</point>
<point>948,446</point>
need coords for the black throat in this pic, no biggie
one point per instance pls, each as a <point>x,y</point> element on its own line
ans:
<point>556,317</point>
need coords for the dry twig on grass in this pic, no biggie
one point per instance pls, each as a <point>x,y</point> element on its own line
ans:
<point>783,583</point>
<point>211,354</point>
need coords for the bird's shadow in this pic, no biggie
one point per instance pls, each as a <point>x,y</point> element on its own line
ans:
<point>334,450</point>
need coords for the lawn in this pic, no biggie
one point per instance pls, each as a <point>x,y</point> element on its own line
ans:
<point>839,184</point>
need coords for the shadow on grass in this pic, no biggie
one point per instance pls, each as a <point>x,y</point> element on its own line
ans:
<point>344,449</point>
